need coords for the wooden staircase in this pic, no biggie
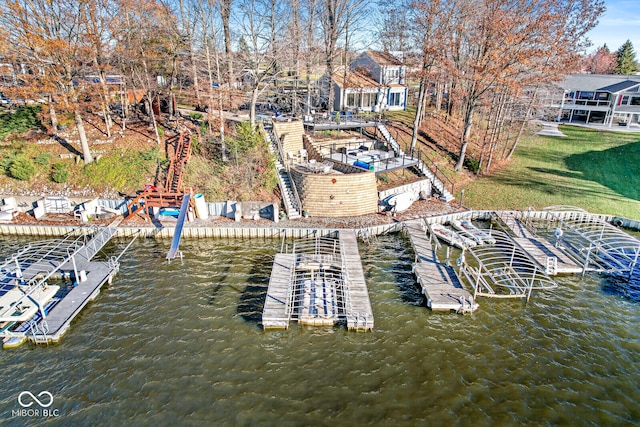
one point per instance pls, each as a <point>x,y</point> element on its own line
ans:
<point>172,193</point>
<point>173,183</point>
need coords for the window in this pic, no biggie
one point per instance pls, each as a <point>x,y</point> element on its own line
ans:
<point>394,99</point>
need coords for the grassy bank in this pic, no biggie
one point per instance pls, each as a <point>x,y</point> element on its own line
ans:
<point>597,171</point>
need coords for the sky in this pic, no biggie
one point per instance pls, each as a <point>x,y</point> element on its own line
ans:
<point>619,23</point>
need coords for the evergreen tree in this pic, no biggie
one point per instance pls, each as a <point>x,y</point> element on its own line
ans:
<point>626,59</point>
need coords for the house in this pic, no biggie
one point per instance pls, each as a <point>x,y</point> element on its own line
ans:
<point>375,81</point>
<point>598,99</point>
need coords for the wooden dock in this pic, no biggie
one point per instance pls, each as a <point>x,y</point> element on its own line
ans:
<point>439,283</point>
<point>550,258</point>
<point>359,314</point>
<point>274,314</point>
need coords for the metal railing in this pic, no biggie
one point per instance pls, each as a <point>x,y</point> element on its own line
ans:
<point>296,202</point>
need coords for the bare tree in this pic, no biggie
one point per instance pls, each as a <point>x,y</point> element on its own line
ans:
<point>258,28</point>
<point>48,37</point>
<point>334,17</point>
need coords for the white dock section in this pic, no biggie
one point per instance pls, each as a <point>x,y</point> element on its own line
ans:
<point>439,283</point>
<point>274,314</point>
<point>358,309</point>
<point>550,258</point>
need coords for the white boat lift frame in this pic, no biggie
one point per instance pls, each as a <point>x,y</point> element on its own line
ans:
<point>503,267</point>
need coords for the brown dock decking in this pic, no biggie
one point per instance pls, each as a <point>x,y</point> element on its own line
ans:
<point>439,283</point>
<point>274,314</point>
<point>550,258</point>
<point>359,314</point>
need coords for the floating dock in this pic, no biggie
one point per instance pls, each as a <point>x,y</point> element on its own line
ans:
<point>549,257</point>
<point>359,312</point>
<point>41,261</point>
<point>275,313</point>
<point>439,283</point>
<point>321,283</point>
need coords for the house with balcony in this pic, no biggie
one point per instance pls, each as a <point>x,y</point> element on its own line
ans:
<point>598,99</point>
<point>374,81</point>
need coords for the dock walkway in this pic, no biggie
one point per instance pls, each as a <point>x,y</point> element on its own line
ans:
<point>550,258</point>
<point>439,283</point>
<point>359,312</point>
<point>59,318</point>
<point>290,289</point>
<point>274,314</point>
<point>89,275</point>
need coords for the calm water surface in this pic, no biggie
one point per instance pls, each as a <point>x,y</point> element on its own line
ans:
<point>181,343</point>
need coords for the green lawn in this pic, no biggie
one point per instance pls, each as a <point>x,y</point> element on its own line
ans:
<point>597,171</point>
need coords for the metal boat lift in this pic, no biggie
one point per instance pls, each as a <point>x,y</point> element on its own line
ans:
<point>30,307</point>
<point>597,244</point>
<point>320,282</point>
<point>503,270</point>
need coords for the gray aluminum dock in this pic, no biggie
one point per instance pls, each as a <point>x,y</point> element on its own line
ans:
<point>66,258</point>
<point>359,312</point>
<point>321,282</point>
<point>549,257</point>
<point>439,283</point>
<point>274,314</point>
<point>59,318</point>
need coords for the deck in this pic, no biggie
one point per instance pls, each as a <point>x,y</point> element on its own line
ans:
<point>66,258</point>
<point>59,318</point>
<point>439,283</point>
<point>359,314</point>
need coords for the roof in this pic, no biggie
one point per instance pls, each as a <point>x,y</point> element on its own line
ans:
<point>593,82</point>
<point>383,58</point>
<point>620,87</point>
<point>355,79</point>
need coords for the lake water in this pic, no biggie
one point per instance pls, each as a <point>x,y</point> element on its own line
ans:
<point>181,343</point>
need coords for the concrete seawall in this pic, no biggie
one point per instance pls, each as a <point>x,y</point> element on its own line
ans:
<point>257,232</point>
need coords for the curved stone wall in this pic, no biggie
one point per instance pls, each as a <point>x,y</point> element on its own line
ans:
<point>336,194</point>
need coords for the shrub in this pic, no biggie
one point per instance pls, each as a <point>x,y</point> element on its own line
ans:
<point>5,162</point>
<point>195,116</point>
<point>22,168</point>
<point>152,154</point>
<point>23,119</point>
<point>472,164</point>
<point>60,174</point>
<point>42,159</point>
<point>160,131</point>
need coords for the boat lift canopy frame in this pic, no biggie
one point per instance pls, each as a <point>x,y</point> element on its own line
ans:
<point>506,266</point>
<point>318,259</point>
<point>599,245</point>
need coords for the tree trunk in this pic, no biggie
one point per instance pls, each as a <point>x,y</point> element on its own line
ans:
<point>152,119</point>
<point>468,119</point>
<point>419,112</point>
<point>52,115</point>
<point>84,144</point>
<point>225,12</point>
<point>252,110</point>
<point>524,123</point>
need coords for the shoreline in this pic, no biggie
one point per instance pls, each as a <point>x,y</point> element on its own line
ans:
<point>271,230</point>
